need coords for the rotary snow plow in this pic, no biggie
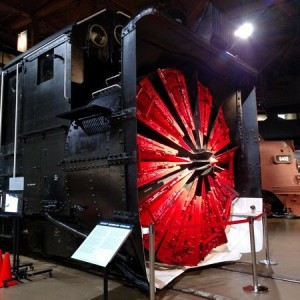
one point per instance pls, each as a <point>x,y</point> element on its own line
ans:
<point>195,137</point>
<point>156,128</point>
<point>189,187</point>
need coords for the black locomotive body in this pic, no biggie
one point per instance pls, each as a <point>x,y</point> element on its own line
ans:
<point>69,125</point>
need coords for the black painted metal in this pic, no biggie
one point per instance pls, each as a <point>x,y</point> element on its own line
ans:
<point>248,161</point>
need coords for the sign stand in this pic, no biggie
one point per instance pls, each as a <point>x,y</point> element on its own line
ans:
<point>11,206</point>
<point>105,284</point>
<point>101,246</point>
<point>152,261</point>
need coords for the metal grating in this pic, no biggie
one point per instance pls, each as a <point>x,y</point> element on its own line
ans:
<point>95,125</point>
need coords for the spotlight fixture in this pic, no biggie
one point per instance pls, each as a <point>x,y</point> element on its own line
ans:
<point>22,41</point>
<point>244,31</point>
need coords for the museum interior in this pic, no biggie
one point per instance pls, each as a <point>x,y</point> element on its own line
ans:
<point>149,149</point>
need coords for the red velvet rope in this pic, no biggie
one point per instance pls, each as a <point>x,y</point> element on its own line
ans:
<point>225,223</point>
<point>236,221</point>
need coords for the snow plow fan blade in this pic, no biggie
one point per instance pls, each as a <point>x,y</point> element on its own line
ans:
<point>185,168</point>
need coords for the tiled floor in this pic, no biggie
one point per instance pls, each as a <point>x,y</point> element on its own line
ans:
<point>221,282</point>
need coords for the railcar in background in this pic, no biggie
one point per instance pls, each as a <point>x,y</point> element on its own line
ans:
<point>280,178</point>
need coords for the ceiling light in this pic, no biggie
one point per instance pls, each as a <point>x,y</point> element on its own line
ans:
<point>22,41</point>
<point>244,31</point>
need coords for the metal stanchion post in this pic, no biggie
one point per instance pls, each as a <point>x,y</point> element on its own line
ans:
<point>105,284</point>
<point>152,261</point>
<point>255,288</point>
<point>266,261</point>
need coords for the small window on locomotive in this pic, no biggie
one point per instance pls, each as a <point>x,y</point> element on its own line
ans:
<point>45,67</point>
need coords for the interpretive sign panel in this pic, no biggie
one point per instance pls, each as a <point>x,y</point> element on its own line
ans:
<point>11,203</point>
<point>103,243</point>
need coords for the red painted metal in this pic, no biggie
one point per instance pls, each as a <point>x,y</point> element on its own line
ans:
<point>173,246</point>
<point>159,206</point>
<point>186,187</point>
<point>219,135</point>
<point>205,106</point>
<point>174,82</point>
<point>205,217</point>
<point>152,111</point>
<point>225,166</point>
<point>152,171</point>
<point>156,160</point>
<point>149,149</point>
<point>225,195</point>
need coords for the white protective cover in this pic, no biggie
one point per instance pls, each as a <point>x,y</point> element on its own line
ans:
<point>238,241</point>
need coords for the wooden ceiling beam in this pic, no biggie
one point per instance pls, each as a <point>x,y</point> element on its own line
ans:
<point>11,7</point>
<point>195,10</point>
<point>44,11</point>
<point>53,7</point>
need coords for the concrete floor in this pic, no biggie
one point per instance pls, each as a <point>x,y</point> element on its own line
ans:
<point>219,282</point>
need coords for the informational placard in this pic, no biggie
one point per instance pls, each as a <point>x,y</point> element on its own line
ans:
<point>103,243</point>
<point>11,203</point>
<point>16,183</point>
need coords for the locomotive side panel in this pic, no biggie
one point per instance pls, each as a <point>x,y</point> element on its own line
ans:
<point>44,179</point>
<point>13,83</point>
<point>94,162</point>
<point>46,88</point>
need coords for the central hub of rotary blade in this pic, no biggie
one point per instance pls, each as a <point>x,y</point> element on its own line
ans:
<point>203,162</point>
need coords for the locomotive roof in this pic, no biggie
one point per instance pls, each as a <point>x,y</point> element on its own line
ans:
<point>172,35</point>
<point>176,38</point>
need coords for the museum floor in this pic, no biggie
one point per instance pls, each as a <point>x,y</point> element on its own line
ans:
<point>220,282</point>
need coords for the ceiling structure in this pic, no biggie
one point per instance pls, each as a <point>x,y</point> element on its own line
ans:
<point>273,50</point>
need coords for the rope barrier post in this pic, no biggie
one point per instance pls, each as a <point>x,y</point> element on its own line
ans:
<point>266,261</point>
<point>255,288</point>
<point>152,261</point>
<point>105,284</point>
